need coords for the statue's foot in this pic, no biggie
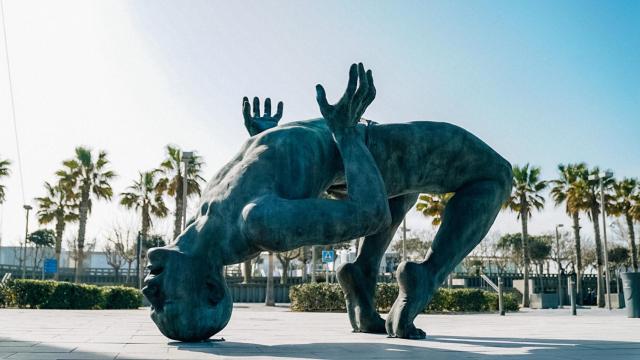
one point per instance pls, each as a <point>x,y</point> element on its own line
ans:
<point>360,300</point>
<point>416,289</point>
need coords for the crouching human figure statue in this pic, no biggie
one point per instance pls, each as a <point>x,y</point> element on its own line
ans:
<point>268,198</point>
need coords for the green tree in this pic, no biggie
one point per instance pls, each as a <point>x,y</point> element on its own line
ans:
<point>433,206</point>
<point>625,194</point>
<point>570,189</point>
<point>539,250</point>
<point>90,178</point>
<point>59,205</point>
<point>618,256</point>
<point>592,202</point>
<point>145,195</point>
<point>41,239</point>
<point>285,259</point>
<point>416,246</point>
<point>173,173</point>
<point>4,172</point>
<point>526,196</point>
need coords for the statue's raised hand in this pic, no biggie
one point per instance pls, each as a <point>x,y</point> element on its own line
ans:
<point>348,111</point>
<point>256,124</point>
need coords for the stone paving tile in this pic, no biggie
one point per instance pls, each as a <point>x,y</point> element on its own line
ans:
<point>257,332</point>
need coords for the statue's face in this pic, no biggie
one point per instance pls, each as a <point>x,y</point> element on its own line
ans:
<point>189,298</point>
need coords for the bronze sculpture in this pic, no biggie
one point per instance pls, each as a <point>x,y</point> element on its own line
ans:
<point>268,198</point>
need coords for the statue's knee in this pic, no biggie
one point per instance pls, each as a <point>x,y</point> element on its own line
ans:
<point>377,218</point>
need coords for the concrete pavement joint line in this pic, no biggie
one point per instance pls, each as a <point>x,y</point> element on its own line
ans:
<point>311,336</point>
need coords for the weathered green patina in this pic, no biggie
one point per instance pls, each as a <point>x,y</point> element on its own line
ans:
<point>268,198</point>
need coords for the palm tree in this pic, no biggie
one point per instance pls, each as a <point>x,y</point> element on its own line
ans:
<point>569,189</point>
<point>173,172</point>
<point>592,203</point>
<point>89,177</point>
<point>625,193</point>
<point>59,205</point>
<point>4,172</point>
<point>526,196</point>
<point>433,206</point>
<point>146,195</point>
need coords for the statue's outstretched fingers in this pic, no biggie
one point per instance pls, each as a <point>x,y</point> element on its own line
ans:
<point>372,88</point>
<point>363,89</point>
<point>352,85</point>
<point>246,112</point>
<point>256,107</point>
<point>267,107</point>
<point>321,97</point>
<point>278,114</point>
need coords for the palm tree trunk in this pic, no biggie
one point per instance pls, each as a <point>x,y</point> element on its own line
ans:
<point>576,233</point>
<point>632,242</point>
<point>146,221</point>
<point>285,271</point>
<point>304,260</point>
<point>177,223</point>
<point>525,254</point>
<point>270,301</point>
<point>82,228</point>
<point>128,272</point>
<point>314,260</point>
<point>596,229</point>
<point>58,246</point>
<point>146,225</point>
<point>246,271</point>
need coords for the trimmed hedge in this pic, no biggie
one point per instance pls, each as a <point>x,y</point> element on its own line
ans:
<point>329,297</point>
<point>121,297</point>
<point>64,295</point>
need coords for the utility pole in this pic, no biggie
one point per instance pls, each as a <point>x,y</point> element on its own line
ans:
<point>604,234</point>
<point>558,261</point>
<point>600,177</point>
<point>26,238</point>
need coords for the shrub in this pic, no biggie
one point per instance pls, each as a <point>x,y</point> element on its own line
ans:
<point>32,293</point>
<point>120,297</point>
<point>386,294</point>
<point>64,295</point>
<point>7,296</point>
<point>317,297</point>
<point>75,296</point>
<point>329,297</point>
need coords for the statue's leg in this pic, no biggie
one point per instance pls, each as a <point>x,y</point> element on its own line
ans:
<point>466,220</point>
<point>358,279</point>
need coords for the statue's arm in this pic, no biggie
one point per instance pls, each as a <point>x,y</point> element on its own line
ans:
<point>255,123</point>
<point>280,224</point>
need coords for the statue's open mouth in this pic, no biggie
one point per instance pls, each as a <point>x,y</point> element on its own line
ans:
<point>151,290</point>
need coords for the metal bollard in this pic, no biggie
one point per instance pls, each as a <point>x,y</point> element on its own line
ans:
<point>572,292</point>
<point>500,303</point>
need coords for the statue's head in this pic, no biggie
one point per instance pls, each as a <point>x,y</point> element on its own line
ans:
<point>189,297</point>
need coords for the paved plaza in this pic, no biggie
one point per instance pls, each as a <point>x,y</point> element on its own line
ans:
<point>257,332</point>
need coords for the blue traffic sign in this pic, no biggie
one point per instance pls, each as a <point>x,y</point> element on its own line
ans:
<point>328,256</point>
<point>50,266</point>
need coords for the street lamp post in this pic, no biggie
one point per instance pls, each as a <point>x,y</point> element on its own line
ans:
<point>186,157</point>
<point>404,239</point>
<point>600,176</point>
<point>558,261</point>
<point>26,238</point>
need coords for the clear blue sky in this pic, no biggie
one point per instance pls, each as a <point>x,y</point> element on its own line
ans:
<point>541,81</point>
